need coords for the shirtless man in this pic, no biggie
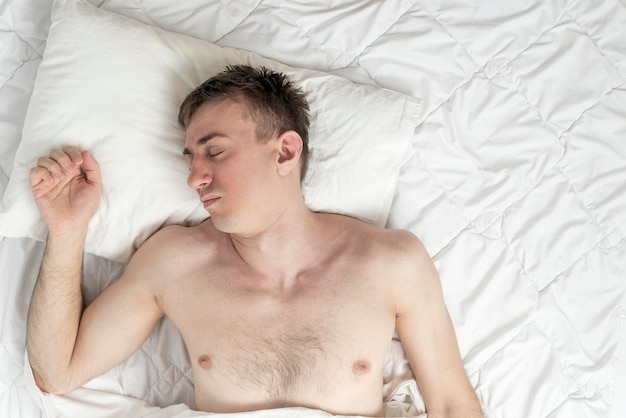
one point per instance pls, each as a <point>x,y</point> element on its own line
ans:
<point>278,306</point>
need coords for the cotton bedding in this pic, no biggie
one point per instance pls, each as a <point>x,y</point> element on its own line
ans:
<point>515,181</point>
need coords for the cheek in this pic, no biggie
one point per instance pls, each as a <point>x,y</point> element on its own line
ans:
<point>237,180</point>
<point>252,170</point>
<point>245,177</point>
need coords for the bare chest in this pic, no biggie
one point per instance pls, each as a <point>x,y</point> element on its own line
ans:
<point>320,347</point>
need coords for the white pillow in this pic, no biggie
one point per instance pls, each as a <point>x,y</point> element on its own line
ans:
<point>113,85</point>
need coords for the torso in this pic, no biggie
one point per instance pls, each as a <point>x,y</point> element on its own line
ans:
<point>319,343</point>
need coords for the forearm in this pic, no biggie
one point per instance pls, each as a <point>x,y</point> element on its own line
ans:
<point>466,409</point>
<point>473,413</point>
<point>55,311</point>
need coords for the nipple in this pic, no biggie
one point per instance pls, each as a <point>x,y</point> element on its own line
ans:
<point>205,361</point>
<point>361,367</point>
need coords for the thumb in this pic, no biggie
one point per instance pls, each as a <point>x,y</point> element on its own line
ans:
<point>92,168</point>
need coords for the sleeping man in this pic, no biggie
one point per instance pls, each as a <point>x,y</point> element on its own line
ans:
<point>278,306</point>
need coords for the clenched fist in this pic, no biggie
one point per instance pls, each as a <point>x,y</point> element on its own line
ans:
<point>67,187</point>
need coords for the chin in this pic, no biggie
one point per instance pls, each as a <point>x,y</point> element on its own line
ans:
<point>232,227</point>
<point>225,225</point>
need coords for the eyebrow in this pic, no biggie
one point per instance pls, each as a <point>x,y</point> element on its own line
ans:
<point>203,140</point>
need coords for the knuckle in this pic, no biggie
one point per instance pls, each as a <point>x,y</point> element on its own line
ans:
<point>71,151</point>
<point>70,148</point>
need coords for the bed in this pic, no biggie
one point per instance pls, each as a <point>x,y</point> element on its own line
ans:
<point>503,148</point>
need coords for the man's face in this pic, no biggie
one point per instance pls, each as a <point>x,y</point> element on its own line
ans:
<point>231,170</point>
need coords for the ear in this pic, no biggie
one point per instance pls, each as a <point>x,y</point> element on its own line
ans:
<point>289,152</point>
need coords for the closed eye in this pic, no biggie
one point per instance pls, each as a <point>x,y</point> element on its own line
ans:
<point>213,154</point>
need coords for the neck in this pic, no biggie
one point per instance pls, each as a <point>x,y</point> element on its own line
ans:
<point>288,246</point>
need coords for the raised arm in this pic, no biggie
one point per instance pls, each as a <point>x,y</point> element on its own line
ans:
<point>67,346</point>
<point>428,337</point>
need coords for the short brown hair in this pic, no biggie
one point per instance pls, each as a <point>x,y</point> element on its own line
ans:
<point>272,100</point>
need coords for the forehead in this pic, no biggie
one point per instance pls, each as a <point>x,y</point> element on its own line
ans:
<point>226,117</point>
<point>218,112</point>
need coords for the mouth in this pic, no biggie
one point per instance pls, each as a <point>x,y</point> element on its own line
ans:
<point>209,200</point>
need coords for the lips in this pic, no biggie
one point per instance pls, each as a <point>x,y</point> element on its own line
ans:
<point>209,200</point>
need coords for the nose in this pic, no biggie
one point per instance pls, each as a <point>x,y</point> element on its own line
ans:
<point>200,175</point>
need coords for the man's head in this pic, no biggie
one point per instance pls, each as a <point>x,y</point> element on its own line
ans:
<point>271,101</point>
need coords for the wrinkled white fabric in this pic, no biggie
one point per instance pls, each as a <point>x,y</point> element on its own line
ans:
<point>113,86</point>
<point>515,183</point>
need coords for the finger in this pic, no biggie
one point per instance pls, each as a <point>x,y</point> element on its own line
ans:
<point>92,168</point>
<point>52,166</point>
<point>63,160</point>
<point>39,174</point>
<point>75,155</point>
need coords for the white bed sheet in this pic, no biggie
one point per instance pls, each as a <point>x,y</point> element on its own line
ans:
<point>516,184</point>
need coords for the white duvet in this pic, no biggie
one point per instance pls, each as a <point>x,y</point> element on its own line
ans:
<point>516,183</point>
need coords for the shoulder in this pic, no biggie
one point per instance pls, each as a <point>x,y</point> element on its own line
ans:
<point>388,244</point>
<point>406,257</point>
<point>174,239</point>
<point>408,248</point>
<point>412,276</point>
<point>167,250</point>
<point>399,252</point>
<point>399,260</point>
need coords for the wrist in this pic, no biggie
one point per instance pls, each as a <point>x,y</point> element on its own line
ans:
<point>64,252</point>
<point>68,236</point>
